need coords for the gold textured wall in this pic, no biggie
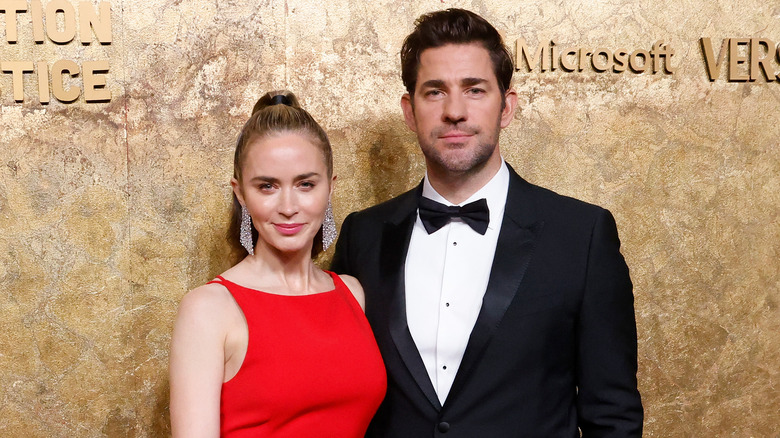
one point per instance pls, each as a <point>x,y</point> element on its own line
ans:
<point>110,211</point>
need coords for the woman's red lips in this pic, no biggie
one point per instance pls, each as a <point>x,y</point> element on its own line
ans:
<point>288,229</point>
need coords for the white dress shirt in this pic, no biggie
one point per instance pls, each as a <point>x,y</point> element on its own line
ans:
<point>446,276</point>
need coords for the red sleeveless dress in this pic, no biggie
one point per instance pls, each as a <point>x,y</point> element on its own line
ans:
<point>312,367</point>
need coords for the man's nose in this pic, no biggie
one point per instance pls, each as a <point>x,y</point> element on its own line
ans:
<point>454,110</point>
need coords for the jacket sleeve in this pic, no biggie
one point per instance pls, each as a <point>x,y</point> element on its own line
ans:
<point>341,264</point>
<point>608,402</point>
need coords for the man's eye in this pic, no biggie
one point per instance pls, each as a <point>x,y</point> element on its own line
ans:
<point>476,91</point>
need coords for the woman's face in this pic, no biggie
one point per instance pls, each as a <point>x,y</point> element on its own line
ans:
<point>285,187</point>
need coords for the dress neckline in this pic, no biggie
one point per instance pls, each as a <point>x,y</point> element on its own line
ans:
<point>333,276</point>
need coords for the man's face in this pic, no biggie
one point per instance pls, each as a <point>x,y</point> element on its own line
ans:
<point>456,110</point>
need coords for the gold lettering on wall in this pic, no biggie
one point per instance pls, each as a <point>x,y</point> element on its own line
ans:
<point>99,22</point>
<point>548,57</point>
<point>58,82</point>
<point>748,59</point>
<point>43,82</point>
<point>17,70</point>
<point>36,11</point>
<point>60,34</point>
<point>59,22</point>
<point>737,56</point>
<point>713,66</point>
<point>10,8</point>
<point>95,82</point>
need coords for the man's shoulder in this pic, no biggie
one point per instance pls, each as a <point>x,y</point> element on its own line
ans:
<point>397,207</point>
<point>546,195</point>
<point>362,230</point>
<point>547,202</point>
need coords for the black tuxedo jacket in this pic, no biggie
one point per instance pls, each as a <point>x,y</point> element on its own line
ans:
<point>554,346</point>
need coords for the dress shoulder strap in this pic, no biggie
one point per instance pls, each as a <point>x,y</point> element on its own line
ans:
<point>227,284</point>
<point>344,291</point>
<point>218,280</point>
<point>338,283</point>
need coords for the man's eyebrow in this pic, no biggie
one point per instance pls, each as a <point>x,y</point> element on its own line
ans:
<point>467,82</point>
<point>433,83</point>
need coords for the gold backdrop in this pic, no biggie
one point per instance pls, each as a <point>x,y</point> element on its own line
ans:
<point>111,211</point>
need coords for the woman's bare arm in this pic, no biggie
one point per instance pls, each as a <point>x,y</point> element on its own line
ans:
<point>197,361</point>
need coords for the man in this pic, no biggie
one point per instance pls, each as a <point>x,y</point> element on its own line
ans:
<point>511,316</point>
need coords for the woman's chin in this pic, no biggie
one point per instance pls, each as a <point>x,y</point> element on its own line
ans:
<point>290,245</point>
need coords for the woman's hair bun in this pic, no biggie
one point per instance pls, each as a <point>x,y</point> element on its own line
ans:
<point>278,97</point>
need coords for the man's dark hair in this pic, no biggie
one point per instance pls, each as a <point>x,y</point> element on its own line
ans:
<point>454,26</point>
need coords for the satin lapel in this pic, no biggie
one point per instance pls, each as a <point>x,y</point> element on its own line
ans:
<point>395,245</point>
<point>514,250</point>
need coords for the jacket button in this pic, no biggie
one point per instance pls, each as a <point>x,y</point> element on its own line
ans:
<point>444,427</point>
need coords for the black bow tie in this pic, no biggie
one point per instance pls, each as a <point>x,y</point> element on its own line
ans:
<point>435,215</point>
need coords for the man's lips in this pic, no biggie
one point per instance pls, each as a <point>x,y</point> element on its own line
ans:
<point>455,135</point>
<point>288,229</point>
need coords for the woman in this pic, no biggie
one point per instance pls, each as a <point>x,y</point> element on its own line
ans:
<point>275,346</point>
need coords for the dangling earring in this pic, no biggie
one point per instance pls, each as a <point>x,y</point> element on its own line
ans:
<point>245,236</point>
<point>328,228</point>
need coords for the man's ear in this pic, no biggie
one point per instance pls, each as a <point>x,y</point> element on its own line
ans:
<point>408,108</point>
<point>237,190</point>
<point>510,104</point>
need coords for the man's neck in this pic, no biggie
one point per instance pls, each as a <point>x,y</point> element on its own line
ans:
<point>458,187</point>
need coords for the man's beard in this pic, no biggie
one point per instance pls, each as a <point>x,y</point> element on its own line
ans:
<point>450,158</point>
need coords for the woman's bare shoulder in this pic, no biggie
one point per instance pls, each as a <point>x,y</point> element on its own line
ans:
<point>211,293</point>
<point>209,302</point>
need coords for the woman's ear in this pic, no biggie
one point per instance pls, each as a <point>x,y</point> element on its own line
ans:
<point>237,190</point>
<point>332,184</point>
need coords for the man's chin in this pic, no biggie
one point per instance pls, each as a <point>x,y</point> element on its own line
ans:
<point>461,165</point>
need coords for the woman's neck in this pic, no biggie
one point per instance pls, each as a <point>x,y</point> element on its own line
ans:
<point>281,272</point>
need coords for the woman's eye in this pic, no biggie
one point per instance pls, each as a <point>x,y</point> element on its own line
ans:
<point>307,184</point>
